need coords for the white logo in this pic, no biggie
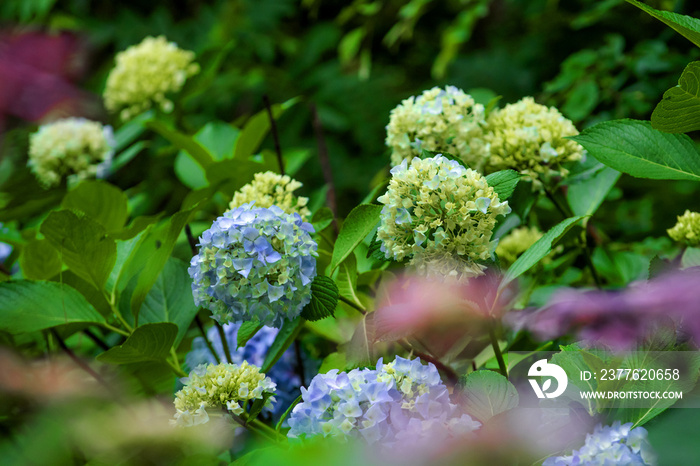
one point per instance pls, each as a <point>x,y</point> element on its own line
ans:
<point>543,369</point>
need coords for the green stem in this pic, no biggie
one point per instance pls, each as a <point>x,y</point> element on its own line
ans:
<point>497,351</point>
<point>286,413</point>
<point>115,310</point>
<point>354,305</point>
<point>206,339</point>
<point>224,342</point>
<point>175,364</point>
<point>115,329</point>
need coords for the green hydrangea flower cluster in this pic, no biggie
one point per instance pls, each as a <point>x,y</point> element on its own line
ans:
<point>220,385</point>
<point>511,246</point>
<point>270,188</point>
<point>74,148</point>
<point>687,230</point>
<point>529,138</point>
<point>145,73</point>
<point>436,208</point>
<point>438,120</point>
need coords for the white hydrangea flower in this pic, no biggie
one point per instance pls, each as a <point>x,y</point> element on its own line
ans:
<point>72,148</point>
<point>145,73</point>
<point>270,188</point>
<point>438,120</point>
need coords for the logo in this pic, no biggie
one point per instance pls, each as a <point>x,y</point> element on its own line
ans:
<point>544,369</point>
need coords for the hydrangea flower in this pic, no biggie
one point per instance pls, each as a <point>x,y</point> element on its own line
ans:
<point>283,373</point>
<point>72,148</point>
<point>217,386</point>
<point>529,137</point>
<point>268,189</point>
<point>616,444</point>
<point>687,230</point>
<point>145,73</point>
<point>255,264</point>
<point>438,120</point>
<point>403,401</point>
<point>435,208</point>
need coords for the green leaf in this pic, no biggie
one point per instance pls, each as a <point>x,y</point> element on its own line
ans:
<point>504,183</point>
<point>256,129</point>
<point>324,299</point>
<point>236,173</point>
<point>634,147</point>
<point>170,299</point>
<point>691,258</point>
<point>679,110</point>
<point>30,306</point>
<point>359,223</point>
<point>374,250</point>
<point>574,360</point>
<point>104,203</point>
<point>150,342</point>
<point>538,251</point>
<point>246,331</point>
<point>131,130</point>
<point>127,155</point>
<point>360,349</point>
<point>333,361</point>
<point>582,99</point>
<point>218,138</point>
<point>487,394</point>
<point>687,26</point>
<point>585,197</point>
<point>321,219</point>
<point>39,260</point>
<point>258,405</point>
<point>83,245</point>
<point>184,142</point>
<point>288,332</point>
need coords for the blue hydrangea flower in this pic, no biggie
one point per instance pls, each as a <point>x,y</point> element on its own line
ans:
<point>403,401</point>
<point>283,373</point>
<point>255,264</point>
<point>610,445</point>
<point>5,249</point>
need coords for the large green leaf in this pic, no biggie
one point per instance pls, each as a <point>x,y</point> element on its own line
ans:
<point>538,251</point>
<point>150,342</point>
<point>246,331</point>
<point>324,299</point>
<point>170,299</point>
<point>687,26</point>
<point>236,173</point>
<point>184,142</point>
<point>218,138</point>
<point>634,147</point>
<point>359,223</point>
<point>29,306</point>
<point>285,337</point>
<point>83,245</point>
<point>503,182</point>
<point>487,394</point>
<point>104,203</point>
<point>39,260</point>
<point>585,197</point>
<point>679,110</point>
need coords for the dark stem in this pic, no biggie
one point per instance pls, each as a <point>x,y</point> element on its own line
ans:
<point>325,162</point>
<point>300,363</point>
<point>4,270</point>
<point>449,372</point>
<point>191,240</point>
<point>224,343</point>
<point>275,136</point>
<point>98,341</point>
<point>206,340</point>
<point>351,304</point>
<point>497,351</point>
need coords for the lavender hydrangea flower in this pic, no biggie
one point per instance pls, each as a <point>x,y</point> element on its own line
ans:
<point>395,404</point>
<point>283,373</point>
<point>255,264</point>
<point>616,444</point>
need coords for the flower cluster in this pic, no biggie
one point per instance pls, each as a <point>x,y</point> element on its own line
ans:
<point>515,243</point>
<point>530,138</point>
<point>145,73</point>
<point>438,120</point>
<point>74,148</point>
<point>436,207</point>
<point>283,373</point>
<point>255,264</point>
<point>616,444</point>
<point>396,402</point>
<point>214,386</point>
<point>687,230</point>
<point>268,189</point>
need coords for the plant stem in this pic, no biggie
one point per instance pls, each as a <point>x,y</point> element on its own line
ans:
<point>356,306</point>
<point>115,329</point>
<point>325,162</point>
<point>175,364</point>
<point>451,374</point>
<point>97,340</point>
<point>275,136</point>
<point>206,339</point>
<point>224,342</point>
<point>191,240</point>
<point>497,350</point>
<point>286,413</point>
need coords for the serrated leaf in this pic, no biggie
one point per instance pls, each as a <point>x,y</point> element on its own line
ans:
<point>285,337</point>
<point>503,182</point>
<point>102,202</point>
<point>83,245</point>
<point>246,331</point>
<point>679,110</point>
<point>585,197</point>
<point>39,260</point>
<point>538,251</point>
<point>634,147</point>
<point>30,306</point>
<point>324,299</point>
<point>359,223</point>
<point>487,394</point>
<point>149,342</point>
<point>687,26</point>
<point>374,250</point>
